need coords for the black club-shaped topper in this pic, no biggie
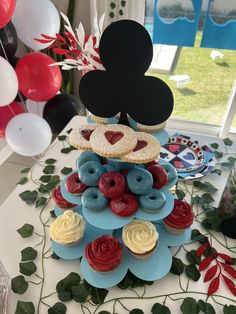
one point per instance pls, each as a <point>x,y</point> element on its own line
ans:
<point>126,52</point>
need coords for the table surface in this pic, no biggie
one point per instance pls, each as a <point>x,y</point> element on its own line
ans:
<point>15,213</point>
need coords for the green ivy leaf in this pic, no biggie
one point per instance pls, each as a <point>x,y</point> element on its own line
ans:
<point>208,207</point>
<point>98,295</point>
<point>111,14</point>
<point>218,155</point>
<point>189,305</point>
<point>50,161</point>
<point>28,268</point>
<point>227,141</point>
<point>123,3</point>
<point>25,308</point>
<point>43,189</point>
<point>177,266</point>
<point>26,231</point>
<point>45,178</point>
<point>131,281</point>
<point>226,164</point>
<point>54,180</point>
<point>192,272</point>
<point>25,170</point>
<point>180,194</point>
<point>41,201</point>
<point>197,236</point>
<point>65,150</point>
<point>22,180</point>
<point>65,296</point>
<point>212,221</point>
<point>73,148</point>
<point>54,256</point>
<point>66,170</point>
<point>62,137</point>
<point>28,254</point>
<point>57,308</point>
<point>49,169</point>
<point>19,284</point>
<point>69,131</point>
<point>192,258</point>
<point>214,145</point>
<point>206,186</point>
<point>112,5</point>
<point>160,309</point>
<point>29,197</point>
<point>64,286</point>
<point>195,200</point>
<point>207,198</point>
<point>206,307</point>
<point>80,292</point>
<point>52,213</point>
<point>136,311</point>
<point>229,309</point>
<point>121,12</point>
<point>217,171</point>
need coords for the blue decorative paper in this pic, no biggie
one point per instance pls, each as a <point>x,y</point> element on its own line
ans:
<point>180,31</point>
<point>222,36</point>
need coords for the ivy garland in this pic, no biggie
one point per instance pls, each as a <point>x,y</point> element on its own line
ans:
<point>200,254</point>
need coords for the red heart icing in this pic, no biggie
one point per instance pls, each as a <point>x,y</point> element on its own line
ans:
<point>173,148</point>
<point>140,145</point>
<point>86,134</point>
<point>113,137</point>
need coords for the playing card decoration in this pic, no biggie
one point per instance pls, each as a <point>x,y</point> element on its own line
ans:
<point>126,52</point>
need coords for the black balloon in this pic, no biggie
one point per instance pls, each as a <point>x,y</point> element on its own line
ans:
<point>59,110</point>
<point>8,37</point>
<point>228,227</point>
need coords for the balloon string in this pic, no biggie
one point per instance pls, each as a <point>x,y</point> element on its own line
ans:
<point>12,111</point>
<point>19,94</point>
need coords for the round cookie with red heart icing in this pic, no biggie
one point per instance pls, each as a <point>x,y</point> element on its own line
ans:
<point>146,149</point>
<point>80,137</point>
<point>113,140</point>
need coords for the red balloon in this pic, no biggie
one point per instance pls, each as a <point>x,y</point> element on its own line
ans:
<point>7,113</point>
<point>37,80</point>
<point>7,8</point>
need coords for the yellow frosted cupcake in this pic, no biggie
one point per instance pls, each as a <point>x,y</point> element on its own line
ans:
<point>140,237</point>
<point>68,229</point>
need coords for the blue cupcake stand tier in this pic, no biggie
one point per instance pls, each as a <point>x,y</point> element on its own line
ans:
<point>152,268</point>
<point>105,219</point>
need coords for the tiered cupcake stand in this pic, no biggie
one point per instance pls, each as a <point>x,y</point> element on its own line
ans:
<point>105,222</point>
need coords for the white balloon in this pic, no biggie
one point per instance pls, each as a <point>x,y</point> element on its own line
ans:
<point>35,17</point>
<point>8,83</point>
<point>28,134</point>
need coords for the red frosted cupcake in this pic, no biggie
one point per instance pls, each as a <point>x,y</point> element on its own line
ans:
<point>104,254</point>
<point>59,199</point>
<point>180,218</point>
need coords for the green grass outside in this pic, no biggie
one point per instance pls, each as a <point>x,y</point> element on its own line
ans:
<point>205,98</point>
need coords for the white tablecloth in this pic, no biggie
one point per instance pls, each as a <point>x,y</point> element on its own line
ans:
<point>14,213</point>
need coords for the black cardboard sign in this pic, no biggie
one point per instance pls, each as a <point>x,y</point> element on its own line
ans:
<point>126,53</point>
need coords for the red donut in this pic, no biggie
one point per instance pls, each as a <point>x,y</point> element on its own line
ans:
<point>112,184</point>
<point>124,205</point>
<point>160,177</point>
<point>59,199</point>
<point>74,185</point>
